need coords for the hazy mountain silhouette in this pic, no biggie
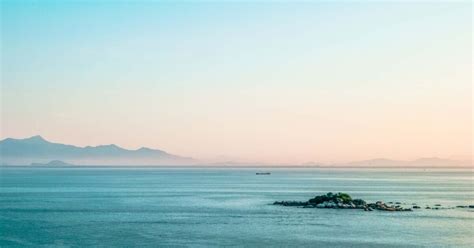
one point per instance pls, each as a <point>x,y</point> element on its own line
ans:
<point>38,150</point>
<point>421,162</point>
<point>54,163</point>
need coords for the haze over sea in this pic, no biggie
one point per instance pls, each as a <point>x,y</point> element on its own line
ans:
<point>157,206</point>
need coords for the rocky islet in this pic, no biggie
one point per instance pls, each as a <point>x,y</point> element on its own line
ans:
<point>345,201</point>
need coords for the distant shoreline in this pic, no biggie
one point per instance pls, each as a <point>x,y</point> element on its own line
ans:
<point>237,166</point>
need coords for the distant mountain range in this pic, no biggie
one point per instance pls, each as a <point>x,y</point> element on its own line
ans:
<point>37,150</point>
<point>53,163</point>
<point>421,162</point>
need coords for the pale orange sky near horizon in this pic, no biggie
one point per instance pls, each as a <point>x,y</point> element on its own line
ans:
<point>273,83</point>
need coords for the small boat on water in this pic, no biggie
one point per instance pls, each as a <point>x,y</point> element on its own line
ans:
<point>263,173</point>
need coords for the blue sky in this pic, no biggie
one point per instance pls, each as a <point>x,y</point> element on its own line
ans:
<point>275,82</point>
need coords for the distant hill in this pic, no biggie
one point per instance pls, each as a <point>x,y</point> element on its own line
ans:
<point>52,163</point>
<point>421,162</point>
<point>38,150</point>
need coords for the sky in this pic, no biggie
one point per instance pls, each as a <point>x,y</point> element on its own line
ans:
<point>272,82</point>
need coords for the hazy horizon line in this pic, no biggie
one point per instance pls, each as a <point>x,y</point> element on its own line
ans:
<point>239,162</point>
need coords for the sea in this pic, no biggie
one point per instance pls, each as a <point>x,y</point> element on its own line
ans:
<point>231,207</point>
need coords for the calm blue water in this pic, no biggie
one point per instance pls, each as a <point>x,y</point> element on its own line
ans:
<point>140,207</point>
